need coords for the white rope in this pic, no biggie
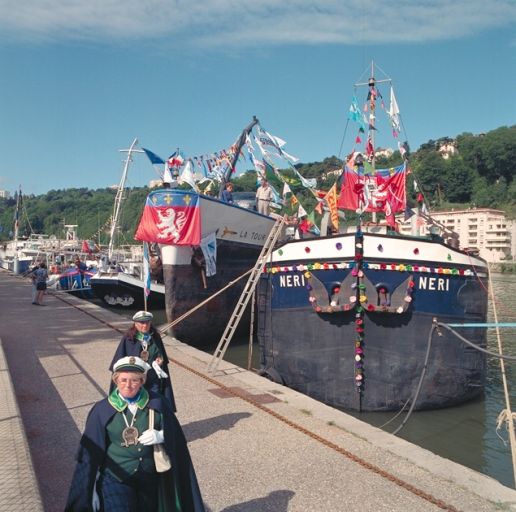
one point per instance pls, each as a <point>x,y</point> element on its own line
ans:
<point>506,414</point>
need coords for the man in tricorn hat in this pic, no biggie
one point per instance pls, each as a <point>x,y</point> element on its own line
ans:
<point>116,468</point>
<point>144,341</point>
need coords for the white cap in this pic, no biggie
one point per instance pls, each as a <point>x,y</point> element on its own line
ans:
<point>131,364</point>
<point>143,316</point>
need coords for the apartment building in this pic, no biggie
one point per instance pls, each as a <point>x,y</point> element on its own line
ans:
<point>482,229</point>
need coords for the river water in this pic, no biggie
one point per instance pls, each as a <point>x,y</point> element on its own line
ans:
<point>465,434</point>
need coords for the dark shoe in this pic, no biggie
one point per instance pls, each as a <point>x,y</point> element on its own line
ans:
<point>35,304</point>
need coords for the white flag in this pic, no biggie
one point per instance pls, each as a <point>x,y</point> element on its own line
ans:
<point>187,176</point>
<point>394,112</point>
<point>209,250</point>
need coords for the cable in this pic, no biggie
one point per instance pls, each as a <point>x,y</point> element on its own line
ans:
<point>420,383</point>
<point>473,345</point>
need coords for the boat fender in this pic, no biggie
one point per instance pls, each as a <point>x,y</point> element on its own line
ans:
<point>272,374</point>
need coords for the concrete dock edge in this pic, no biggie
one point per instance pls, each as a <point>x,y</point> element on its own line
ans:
<point>18,485</point>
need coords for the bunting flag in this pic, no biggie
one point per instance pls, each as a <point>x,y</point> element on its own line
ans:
<point>154,159</point>
<point>176,159</point>
<point>355,114</point>
<point>382,192</point>
<point>273,177</point>
<point>187,176</point>
<point>209,251</point>
<point>146,270</point>
<point>312,221</point>
<point>394,113</point>
<point>331,200</point>
<point>170,218</point>
<point>301,212</point>
<point>291,204</point>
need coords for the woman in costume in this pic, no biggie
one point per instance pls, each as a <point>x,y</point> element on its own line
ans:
<point>116,466</point>
<point>143,341</point>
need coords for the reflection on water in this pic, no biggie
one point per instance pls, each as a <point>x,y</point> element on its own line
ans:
<point>464,434</point>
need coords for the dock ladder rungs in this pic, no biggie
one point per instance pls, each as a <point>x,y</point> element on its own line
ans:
<point>249,288</point>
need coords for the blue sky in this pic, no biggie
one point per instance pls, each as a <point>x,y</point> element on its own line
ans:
<point>80,80</point>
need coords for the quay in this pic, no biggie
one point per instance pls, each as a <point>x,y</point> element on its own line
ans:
<point>256,446</point>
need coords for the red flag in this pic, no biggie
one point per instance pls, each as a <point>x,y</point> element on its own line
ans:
<point>86,247</point>
<point>171,217</point>
<point>381,192</point>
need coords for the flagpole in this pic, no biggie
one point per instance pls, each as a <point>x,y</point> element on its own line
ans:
<point>146,274</point>
<point>239,144</point>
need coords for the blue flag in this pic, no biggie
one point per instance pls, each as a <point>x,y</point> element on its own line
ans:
<point>155,159</point>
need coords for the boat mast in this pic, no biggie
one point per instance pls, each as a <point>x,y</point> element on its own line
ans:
<point>119,196</point>
<point>239,144</point>
<point>17,215</point>
<point>371,83</point>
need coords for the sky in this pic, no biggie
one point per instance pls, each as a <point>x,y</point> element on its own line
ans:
<point>81,80</point>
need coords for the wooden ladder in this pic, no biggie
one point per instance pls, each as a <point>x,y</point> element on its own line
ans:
<point>249,288</point>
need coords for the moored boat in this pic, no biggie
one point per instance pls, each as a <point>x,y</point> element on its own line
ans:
<point>238,234</point>
<point>206,243</point>
<point>347,318</point>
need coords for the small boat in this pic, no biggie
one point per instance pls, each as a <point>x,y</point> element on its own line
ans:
<point>121,289</point>
<point>12,255</point>
<point>118,280</point>
<point>345,317</point>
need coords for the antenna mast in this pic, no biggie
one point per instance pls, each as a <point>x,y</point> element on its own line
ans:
<point>119,196</point>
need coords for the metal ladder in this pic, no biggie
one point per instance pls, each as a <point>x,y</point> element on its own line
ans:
<point>249,288</point>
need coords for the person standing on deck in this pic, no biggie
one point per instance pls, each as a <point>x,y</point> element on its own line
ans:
<point>227,193</point>
<point>144,341</point>
<point>264,197</point>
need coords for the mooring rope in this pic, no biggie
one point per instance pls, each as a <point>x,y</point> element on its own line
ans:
<point>163,330</point>
<point>420,383</point>
<point>506,414</point>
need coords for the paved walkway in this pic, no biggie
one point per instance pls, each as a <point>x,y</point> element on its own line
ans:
<point>256,446</point>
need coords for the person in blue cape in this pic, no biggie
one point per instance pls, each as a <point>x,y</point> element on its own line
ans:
<point>116,466</point>
<point>144,341</point>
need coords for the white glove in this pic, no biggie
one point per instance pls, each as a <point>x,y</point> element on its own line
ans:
<point>159,372</point>
<point>151,436</point>
<point>95,501</point>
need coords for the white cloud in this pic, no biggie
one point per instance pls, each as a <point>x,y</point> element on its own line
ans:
<point>234,23</point>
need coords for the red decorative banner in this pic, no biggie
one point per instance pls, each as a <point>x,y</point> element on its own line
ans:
<point>171,217</point>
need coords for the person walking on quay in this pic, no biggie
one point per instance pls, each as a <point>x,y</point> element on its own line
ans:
<point>133,455</point>
<point>264,197</point>
<point>32,274</point>
<point>40,277</point>
<point>144,341</point>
